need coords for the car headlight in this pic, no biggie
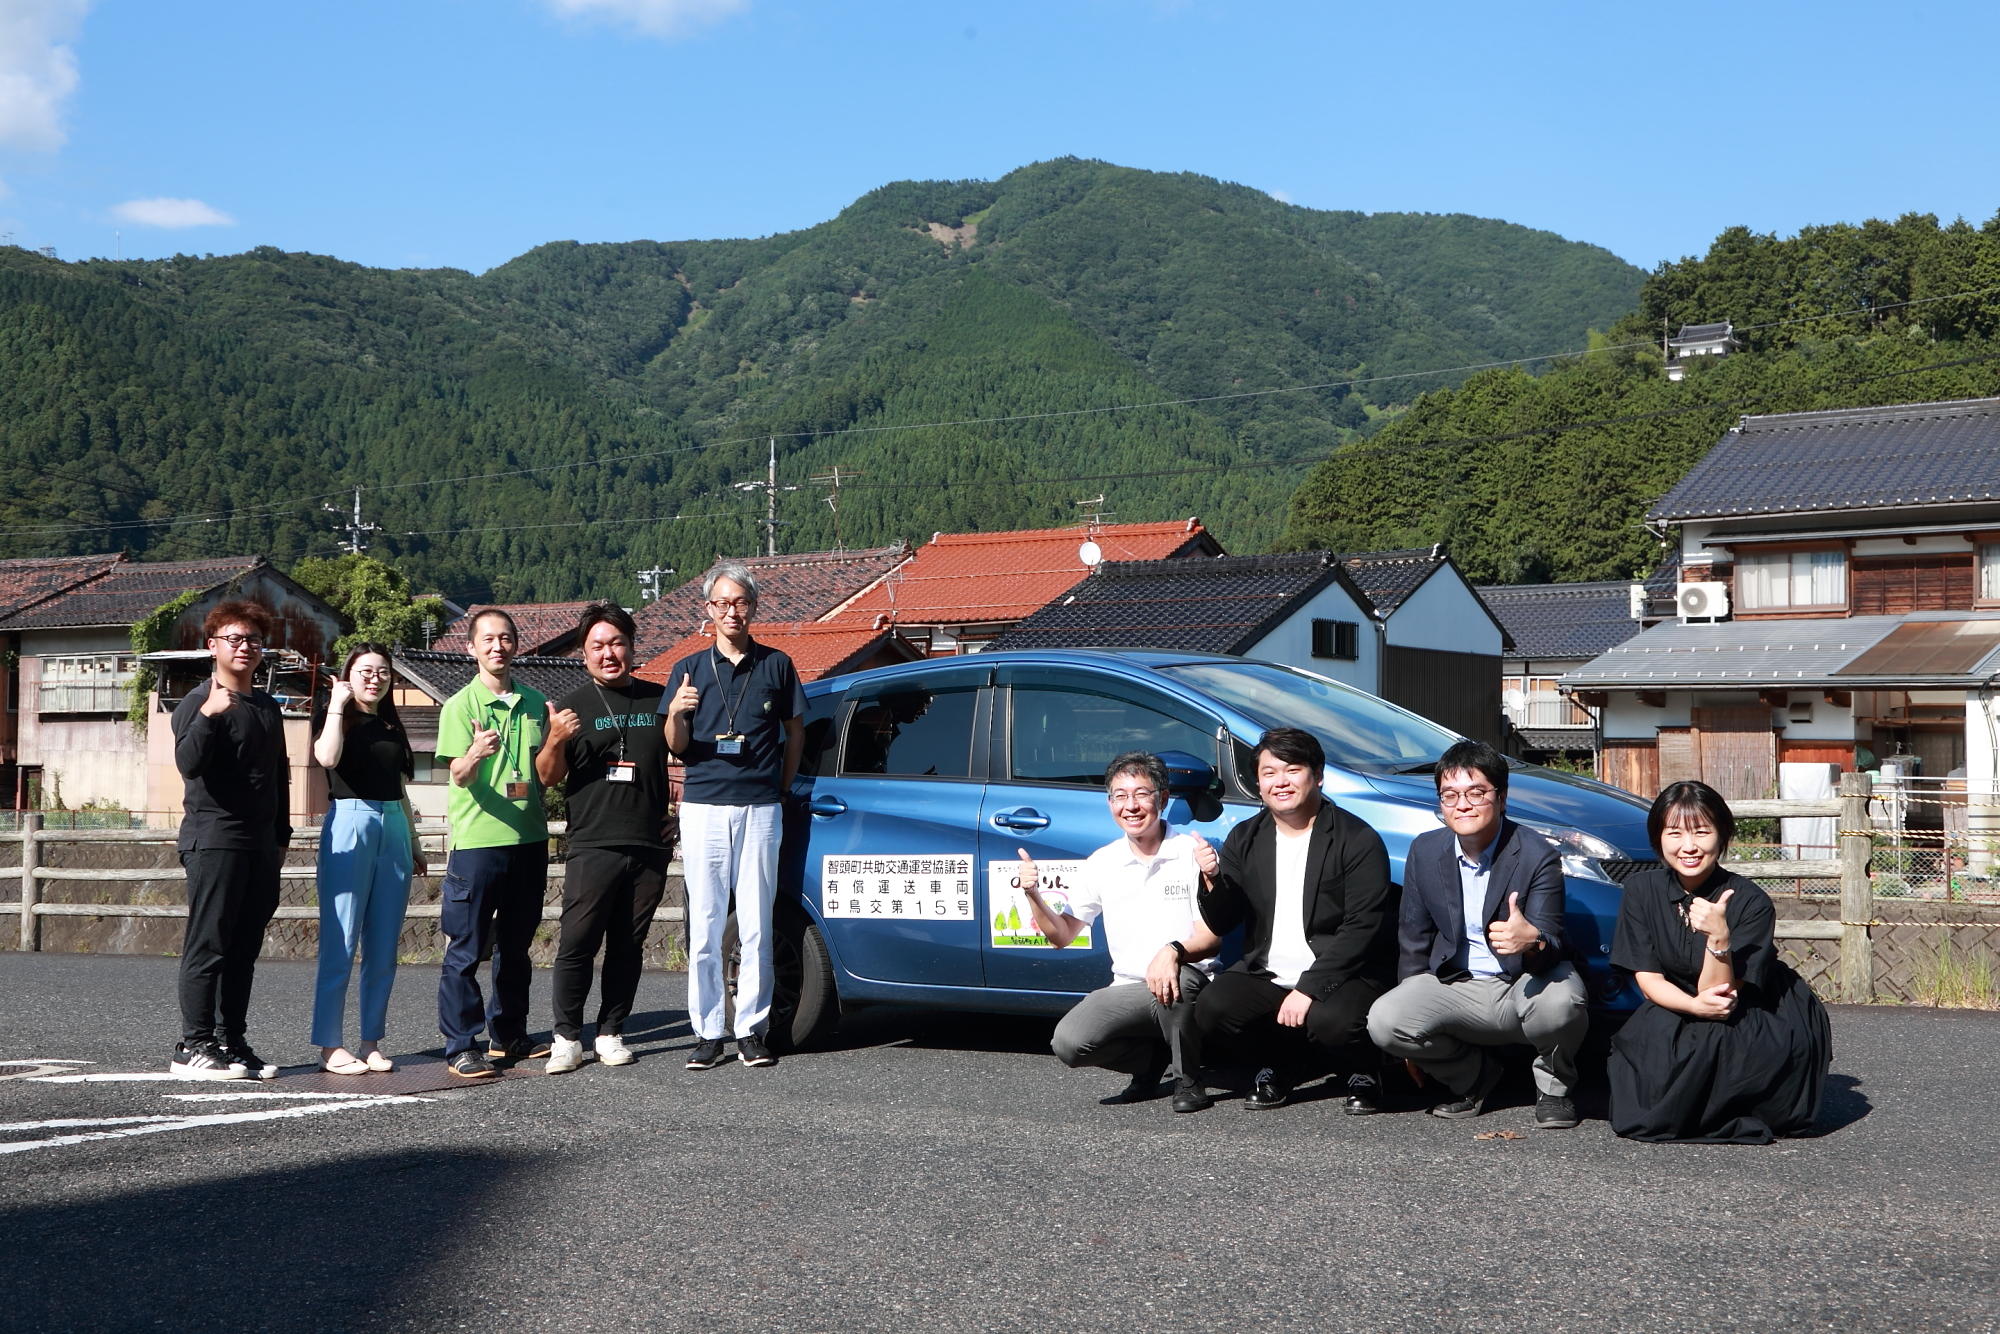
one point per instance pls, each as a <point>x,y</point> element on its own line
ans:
<point>1583,854</point>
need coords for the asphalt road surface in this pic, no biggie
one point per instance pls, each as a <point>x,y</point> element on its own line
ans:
<point>936,1172</point>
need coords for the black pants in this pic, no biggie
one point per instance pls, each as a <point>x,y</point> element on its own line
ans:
<point>232,893</point>
<point>609,896</point>
<point>1237,1016</point>
<point>492,905</point>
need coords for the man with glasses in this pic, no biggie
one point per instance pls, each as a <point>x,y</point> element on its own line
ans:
<point>229,745</point>
<point>606,746</point>
<point>1143,887</point>
<point>734,720</point>
<point>1481,959</point>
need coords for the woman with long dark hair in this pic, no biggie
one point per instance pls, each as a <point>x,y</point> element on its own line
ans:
<point>1731,1045</point>
<point>368,850</point>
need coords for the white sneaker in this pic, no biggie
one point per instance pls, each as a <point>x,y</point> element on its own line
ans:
<point>565,1055</point>
<point>611,1050</point>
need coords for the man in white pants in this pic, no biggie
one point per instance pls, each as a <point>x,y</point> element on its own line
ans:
<point>733,718</point>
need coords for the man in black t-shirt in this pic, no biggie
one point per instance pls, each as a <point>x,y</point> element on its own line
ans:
<point>605,746</point>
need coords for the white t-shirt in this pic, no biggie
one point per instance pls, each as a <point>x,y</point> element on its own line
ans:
<point>1290,953</point>
<point>1145,901</point>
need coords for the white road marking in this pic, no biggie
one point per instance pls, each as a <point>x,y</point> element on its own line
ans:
<point>62,1123</point>
<point>286,1093</point>
<point>151,1126</point>
<point>148,1077</point>
<point>36,1068</point>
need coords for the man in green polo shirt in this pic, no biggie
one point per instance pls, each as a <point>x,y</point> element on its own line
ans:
<point>498,873</point>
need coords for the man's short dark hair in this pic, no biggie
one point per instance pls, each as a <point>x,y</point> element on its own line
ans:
<point>1141,762</point>
<point>1477,756</point>
<point>239,611</point>
<point>606,613</point>
<point>472,622</point>
<point>1292,745</point>
<point>1691,798</point>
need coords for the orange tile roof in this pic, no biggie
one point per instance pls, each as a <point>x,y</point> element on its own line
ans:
<point>972,578</point>
<point>542,626</point>
<point>816,649</point>
<point>803,586</point>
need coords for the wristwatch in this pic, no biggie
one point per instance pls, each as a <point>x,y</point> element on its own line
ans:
<point>1180,950</point>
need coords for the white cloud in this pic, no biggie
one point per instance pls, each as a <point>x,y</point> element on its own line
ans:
<point>37,70</point>
<point>654,18</point>
<point>171,213</point>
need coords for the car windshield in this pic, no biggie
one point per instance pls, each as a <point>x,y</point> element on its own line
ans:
<point>1358,730</point>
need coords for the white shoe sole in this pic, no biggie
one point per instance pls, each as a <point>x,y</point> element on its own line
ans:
<point>193,1072</point>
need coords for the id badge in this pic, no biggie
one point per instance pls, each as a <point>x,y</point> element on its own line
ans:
<point>622,771</point>
<point>729,744</point>
<point>517,791</point>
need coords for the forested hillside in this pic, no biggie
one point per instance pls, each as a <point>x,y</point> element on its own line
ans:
<point>1529,478</point>
<point>544,429</point>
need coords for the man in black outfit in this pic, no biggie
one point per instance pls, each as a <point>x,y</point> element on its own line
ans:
<point>229,744</point>
<point>1310,884</point>
<point>606,744</point>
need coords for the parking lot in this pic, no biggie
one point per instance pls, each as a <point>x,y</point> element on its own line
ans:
<point>938,1172</point>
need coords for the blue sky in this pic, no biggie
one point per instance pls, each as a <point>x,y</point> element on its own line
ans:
<point>463,132</point>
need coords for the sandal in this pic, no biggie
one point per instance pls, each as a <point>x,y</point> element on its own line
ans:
<point>378,1062</point>
<point>344,1063</point>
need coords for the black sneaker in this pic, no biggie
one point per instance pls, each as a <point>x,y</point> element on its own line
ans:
<point>520,1049</point>
<point>1190,1096</point>
<point>469,1064</point>
<point>1554,1112</point>
<point>254,1066</point>
<point>1364,1096</point>
<point>1465,1106</point>
<point>1267,1091</point>
<point>707,1054</point>
<point>751,1051</point>
<point>204,1060</point>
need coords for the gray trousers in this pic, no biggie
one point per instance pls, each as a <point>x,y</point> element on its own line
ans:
<point>1444,1026</point>
<point>1121,1027</point>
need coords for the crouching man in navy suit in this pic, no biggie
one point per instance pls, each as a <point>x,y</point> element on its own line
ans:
<point>1482,961</point>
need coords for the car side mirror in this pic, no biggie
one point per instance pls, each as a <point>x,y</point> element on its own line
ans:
<point>1187,776</point>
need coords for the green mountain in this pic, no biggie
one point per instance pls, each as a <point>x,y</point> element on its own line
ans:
<point>1530,478</point>
<point>966,353</point>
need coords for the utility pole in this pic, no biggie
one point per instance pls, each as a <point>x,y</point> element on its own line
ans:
<point>834,479</point>
<point>769,486</point>
<point>355,528</point>
<point>649,582</point>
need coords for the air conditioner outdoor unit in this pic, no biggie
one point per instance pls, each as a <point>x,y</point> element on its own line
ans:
<point>1702,601</point>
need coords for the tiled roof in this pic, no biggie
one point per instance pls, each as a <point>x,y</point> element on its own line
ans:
<point>815,648</point>
<point>1703,333</point>
<point>129,591</point>
<point>802,587</point>
<point>1803,653</point>
<point>1218,605</point>
<point>543,627</point>
<point>1910,454</point>
<point>1562,620</point>
<point>26,582</point>
<point>1387,577</point>
<point>975,578</point>
<point>443,674</point>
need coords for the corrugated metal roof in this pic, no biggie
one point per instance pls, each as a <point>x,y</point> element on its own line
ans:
<point>1910,454</point>
<point>1929,648</point>
<point>1799,653</point>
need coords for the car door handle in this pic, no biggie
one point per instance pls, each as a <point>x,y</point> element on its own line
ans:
<point>1027,817</point>
<point>827,806</point>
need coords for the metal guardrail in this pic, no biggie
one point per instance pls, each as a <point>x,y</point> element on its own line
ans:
<point>33,875</point>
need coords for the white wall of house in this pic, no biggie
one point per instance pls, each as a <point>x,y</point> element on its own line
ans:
<point>1626,719</point>
<point>1290,641</point>
<point>93,759</point>
<point>1444,613</point>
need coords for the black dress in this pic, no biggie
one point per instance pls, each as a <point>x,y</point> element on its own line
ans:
<point>1742,1080</point>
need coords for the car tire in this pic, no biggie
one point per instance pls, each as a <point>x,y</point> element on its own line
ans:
<point>805,1007</point>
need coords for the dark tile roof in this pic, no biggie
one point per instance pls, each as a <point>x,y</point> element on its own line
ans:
<point>1387,577</point>
<point>442,674</point>
<point>1907,455</point>
<point>129,591</point>
<point>544,628</point>
<point>25,582</point>
<point>1562,620</point>
<point>1220,604</point>
<point>1703,333</point>
<point>815,648</point>
<point>802,587</point>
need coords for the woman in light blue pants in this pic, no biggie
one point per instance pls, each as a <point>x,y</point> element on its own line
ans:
<point>367,852</point>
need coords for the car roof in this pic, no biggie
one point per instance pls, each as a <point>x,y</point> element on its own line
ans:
<point>1151,659</point>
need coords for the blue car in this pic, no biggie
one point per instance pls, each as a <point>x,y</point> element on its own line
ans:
<point>920,781</point>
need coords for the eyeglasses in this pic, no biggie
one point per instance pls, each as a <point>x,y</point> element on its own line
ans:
<point>373,673</point>
<point>1128,794</point>
<point>1472,796</point>
<point>731,604</point>
<point>242,641</point>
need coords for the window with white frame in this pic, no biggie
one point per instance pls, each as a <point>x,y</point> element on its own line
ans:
<point>1989,571</point>
<point>1791,580</point>
<point>87,682</point>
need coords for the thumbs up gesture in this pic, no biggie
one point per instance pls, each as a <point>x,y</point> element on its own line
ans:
<point>1712,919</point>
<point>1514,933</point>
<point>563,724</point>
<point>1029,876</point>
<point>1205,859</point>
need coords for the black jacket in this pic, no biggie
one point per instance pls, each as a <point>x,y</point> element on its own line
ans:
<point>1432,928</point>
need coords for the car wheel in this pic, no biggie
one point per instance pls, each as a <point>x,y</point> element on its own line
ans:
<point>804,1003</point>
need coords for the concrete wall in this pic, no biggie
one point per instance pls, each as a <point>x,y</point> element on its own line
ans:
<point>1445,613</point>
<point>1290,642</point>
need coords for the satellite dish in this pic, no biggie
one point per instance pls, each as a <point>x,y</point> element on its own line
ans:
<point>1090,554</point>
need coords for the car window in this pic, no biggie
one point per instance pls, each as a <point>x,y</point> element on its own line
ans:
<point>819,738</point>
<point>1069,735</point>
<point>1358,730</point>
<point>911,732</point>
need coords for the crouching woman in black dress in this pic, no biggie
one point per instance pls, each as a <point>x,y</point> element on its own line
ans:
<point>1730,1046</point>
